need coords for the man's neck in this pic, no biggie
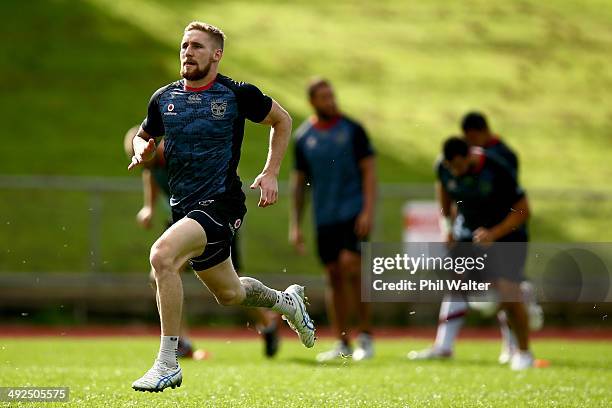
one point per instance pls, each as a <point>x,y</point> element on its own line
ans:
<point>210,77</point>
<point>325,119</point>
<point>325,122</point>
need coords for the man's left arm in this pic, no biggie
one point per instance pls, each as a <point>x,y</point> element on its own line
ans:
<point>519,211</point>
<point>267,181</point>
<point>365,219</point>
<point>364,154</point>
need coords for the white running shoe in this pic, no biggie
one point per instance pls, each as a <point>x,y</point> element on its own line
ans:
<point>432,353</point>
<point>340,350</point>
<point>365,347</point>
<point>160,376</point>
<point>521,360</point>
<point>505,356</point>
<point>300,322</point>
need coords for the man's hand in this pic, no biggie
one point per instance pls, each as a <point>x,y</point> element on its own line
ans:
<point>297,239</point>
<point>143,151</point>
<point>484,236</point>
<point>269,189</point>
<point>363,224</point>
<point>144,216</point>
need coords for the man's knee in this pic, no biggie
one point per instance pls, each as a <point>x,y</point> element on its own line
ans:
<point>335,275</point>
<point>162,259</point>
<point>349,261</point>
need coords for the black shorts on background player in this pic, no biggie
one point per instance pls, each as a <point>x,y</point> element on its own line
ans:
<point>331,239</point>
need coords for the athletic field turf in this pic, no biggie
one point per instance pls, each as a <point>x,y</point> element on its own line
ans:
<point>99,372</point>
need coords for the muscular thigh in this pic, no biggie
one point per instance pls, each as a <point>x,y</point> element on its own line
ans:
<point>185,239</point>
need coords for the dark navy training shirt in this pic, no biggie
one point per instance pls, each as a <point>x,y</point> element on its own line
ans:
<point>484,197</point>
<point>504,153</point>
<point>203,130</point>
<point>329,156</point>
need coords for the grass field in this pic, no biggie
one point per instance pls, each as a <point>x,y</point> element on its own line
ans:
<point>408,70</point>
<point>99,372</point>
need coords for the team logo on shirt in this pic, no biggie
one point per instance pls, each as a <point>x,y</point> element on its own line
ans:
<point>218,108</point>
<point>169,109</point>
<point>311,142</point>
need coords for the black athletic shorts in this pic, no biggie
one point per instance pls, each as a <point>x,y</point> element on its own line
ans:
<point>333,238</point>
<point>503,260</point>
<point>220,218</point>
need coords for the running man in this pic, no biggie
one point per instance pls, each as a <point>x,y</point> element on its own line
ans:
<point>155,185</point>
<point>202,119</point>
<point>491,207</point>
<point>334,155</point>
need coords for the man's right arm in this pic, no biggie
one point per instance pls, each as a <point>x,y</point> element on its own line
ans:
<point>144,142</point>
<point>144,148</point>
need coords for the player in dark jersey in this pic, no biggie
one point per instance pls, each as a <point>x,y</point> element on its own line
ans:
<point>333,154</point>
<point>155,183</point>
<point>202,118</point>
<point>454,306</point>
<point>477,132</point>
<point>491,207</point>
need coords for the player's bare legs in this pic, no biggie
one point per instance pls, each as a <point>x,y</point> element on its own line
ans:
<point>229,289</point>
<point>183,240</point>
<point>518,321</point>
<point>185,347</point>
<point>187,239</point>
<point>337,301</point>
<point>350,263</point>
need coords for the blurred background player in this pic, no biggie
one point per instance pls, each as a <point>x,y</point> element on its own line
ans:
<point>334,155</point>
<point>491,207</point>
<point>154,183</point>
<point>454,307</point>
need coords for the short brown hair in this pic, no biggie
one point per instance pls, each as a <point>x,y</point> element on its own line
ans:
<point>314,84</point>
<point>211,30</point>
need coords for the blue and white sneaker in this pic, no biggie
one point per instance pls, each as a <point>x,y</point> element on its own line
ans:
<point>299,320</point>
<point>160,376</point>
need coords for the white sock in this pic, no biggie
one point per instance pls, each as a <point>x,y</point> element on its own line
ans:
<point>167,350</point>
<point>284,303</point>
<point>452,312</point>
<point>508,338</point>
